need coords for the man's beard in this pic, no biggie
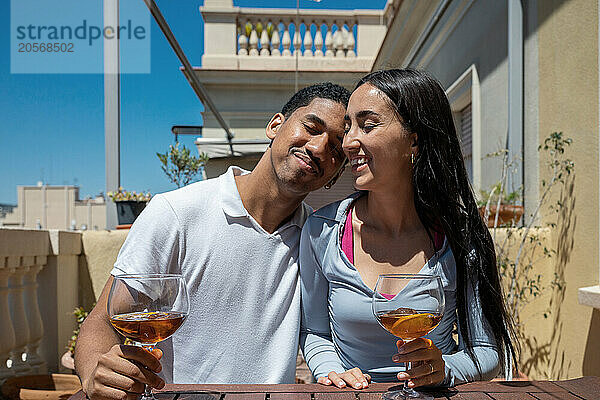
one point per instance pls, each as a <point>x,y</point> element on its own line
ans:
<point>292,178</point>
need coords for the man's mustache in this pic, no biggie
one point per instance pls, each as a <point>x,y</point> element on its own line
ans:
<point>314,160</point>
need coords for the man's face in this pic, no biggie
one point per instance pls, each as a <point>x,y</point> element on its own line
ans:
<point>307,146</point>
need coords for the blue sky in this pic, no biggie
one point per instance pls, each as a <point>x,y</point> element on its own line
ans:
<point>52,125</point>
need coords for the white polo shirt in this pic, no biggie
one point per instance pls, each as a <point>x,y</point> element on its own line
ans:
<point>243,283</point>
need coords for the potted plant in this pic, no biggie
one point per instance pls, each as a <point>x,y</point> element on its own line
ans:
<point>498,208</point>
<point>129,204</point>
<point>179,166</point>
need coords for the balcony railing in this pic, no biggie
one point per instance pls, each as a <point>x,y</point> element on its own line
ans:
<point>40,285</point>
<point>271,39</point>
<point>21,330</point>
<point>316,37</point>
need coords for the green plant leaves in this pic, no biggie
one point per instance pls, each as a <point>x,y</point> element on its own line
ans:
<point>124,195</point>
<point>180,166</point>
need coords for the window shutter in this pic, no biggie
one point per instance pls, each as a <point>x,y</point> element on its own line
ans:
<point>466,140</point>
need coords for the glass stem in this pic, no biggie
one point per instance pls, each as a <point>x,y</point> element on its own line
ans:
<point>147,389</point>
<point>405,386</point>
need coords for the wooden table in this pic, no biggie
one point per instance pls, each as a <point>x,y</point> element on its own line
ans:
<point>581,388</point>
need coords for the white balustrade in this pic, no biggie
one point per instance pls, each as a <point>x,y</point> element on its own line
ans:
<point>319,42</point>
<point>19,320</point>
<point>308,42</point>
<point>279,39</point>
<point>272,37</point>
<point>243,43</point>
<point>275,42</point>
<point>286,41</point>
<point>264,43</point>
<point>34,319</point>
<point>253,43</point>
<point>338,43</point>
<point>329,41</point>
<point>7,334</point>
<point>349,44</point>
<point>38,291</point>
<point>297,42</point>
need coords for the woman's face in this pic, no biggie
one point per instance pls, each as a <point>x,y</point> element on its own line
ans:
<point>377,145</point>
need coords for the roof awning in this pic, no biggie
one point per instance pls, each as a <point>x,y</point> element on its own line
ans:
<point>219,148</point>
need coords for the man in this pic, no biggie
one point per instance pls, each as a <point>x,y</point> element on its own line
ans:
<point>235,239</point>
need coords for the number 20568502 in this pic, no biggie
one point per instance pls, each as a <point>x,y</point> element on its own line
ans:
<point>45,47</point>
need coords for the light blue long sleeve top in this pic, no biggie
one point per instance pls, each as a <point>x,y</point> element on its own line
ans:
<point>339,331</point>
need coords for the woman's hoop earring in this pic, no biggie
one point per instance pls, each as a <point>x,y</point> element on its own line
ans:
<point>412,158</point>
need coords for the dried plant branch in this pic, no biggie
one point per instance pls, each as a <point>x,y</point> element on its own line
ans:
<point>523,282</point>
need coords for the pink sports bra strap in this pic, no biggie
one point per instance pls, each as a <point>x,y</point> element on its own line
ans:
<point>348,238</point>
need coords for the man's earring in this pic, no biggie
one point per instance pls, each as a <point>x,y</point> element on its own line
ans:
<point>333,180</point>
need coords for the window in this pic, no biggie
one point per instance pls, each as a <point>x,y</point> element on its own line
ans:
<point>464,99</point>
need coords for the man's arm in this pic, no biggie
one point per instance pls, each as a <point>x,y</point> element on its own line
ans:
<point>108,369</point>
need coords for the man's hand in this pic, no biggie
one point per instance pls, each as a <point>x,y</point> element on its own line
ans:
<point>353,378</point>
<point>427,368</point>
<point>122,372</point>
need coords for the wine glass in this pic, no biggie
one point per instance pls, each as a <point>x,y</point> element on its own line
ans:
<point>147,309</point>
<point>408,306</point>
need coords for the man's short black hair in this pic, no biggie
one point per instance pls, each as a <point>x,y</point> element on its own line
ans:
<point>325,90</point>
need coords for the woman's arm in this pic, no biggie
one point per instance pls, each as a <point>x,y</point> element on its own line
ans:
<point>315,335</point>
<point>460,368</point>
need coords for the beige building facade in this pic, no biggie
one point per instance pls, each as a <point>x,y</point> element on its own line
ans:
<point>55,207</point>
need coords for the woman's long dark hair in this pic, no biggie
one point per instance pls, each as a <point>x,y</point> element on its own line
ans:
<point>444,200</point>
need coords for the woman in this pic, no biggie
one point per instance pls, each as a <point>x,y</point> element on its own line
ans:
<point>414,212</point>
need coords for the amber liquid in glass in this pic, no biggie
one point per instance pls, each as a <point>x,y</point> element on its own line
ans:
<point>147,327</point>
<point>409,324</point>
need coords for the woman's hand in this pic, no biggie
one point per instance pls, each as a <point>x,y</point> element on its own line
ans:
<point>353,378</point>
<point>427,368</point>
